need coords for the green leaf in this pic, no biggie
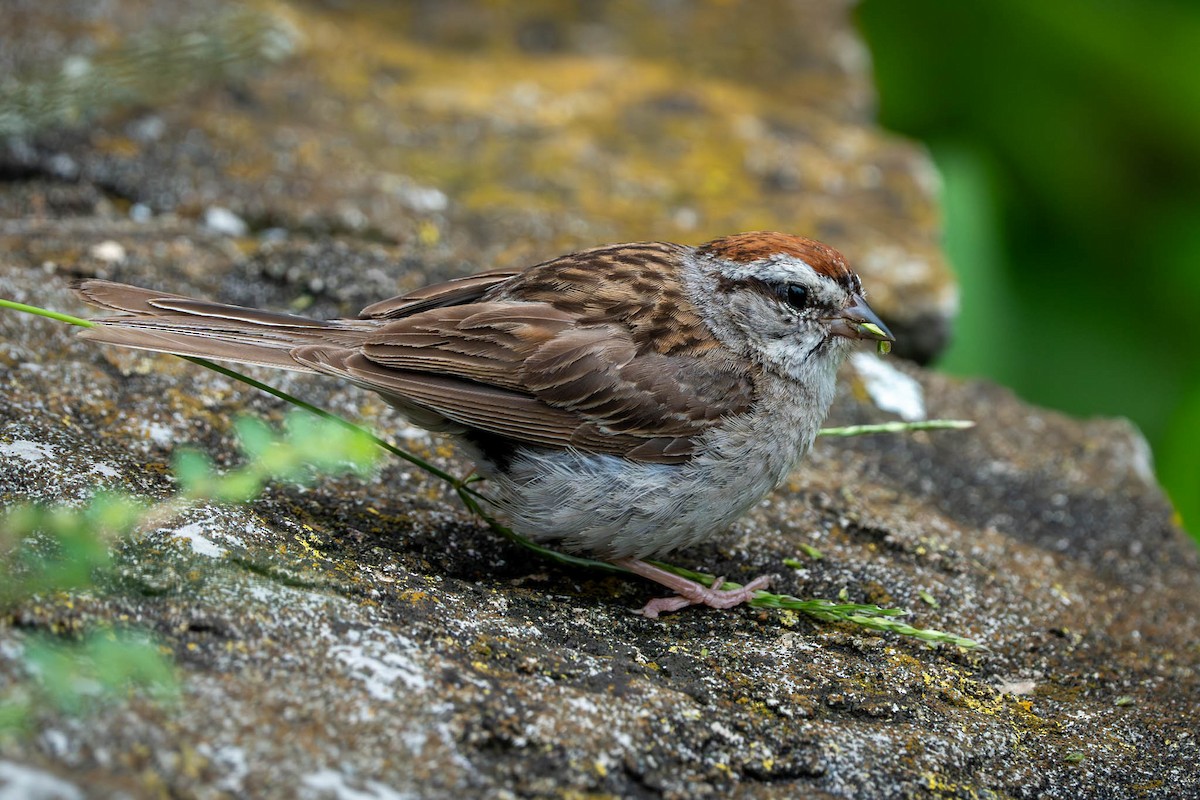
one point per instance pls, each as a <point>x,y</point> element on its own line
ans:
<point>237,487</point>
<point>113,512</point>
<point>254,436</point>
<point>120,659</point>
<point>810,551</point>
<point>194,470</point>
<point>14,715</point>
<point>74,675</point>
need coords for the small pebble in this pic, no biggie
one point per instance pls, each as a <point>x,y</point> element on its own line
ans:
<point>108,251</point>
<point>223,221</point>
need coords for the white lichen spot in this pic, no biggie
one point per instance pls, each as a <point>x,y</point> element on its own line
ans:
<point>411,433</point>
<point>725,732</point>
<point>224,222</point>
<point>328,783</point>
<point>27,451</point>
<point>232,766</point>
<point>105,470</point>
<point>108,251</point>
<point>1017,686</point>
<point>18,780</point>
<point>1133,451</point>
<point>889,388</point>
<point>158,433</point>
<point>382,667</point>
<point>194,534</point>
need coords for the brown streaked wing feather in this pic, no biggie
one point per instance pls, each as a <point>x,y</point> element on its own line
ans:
<point>172,323</point>
<point>150,304</point>
<point>225,313</point>
<point>120,296</point>
<point>526,372</point>
<point>637,285</point>
<point>456,291</point>
<point>482,342</point>
<point>472,405</point>
<point>194,345</point>
<point>597,372</point>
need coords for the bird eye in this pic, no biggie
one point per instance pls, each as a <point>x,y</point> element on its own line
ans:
<point>796,295</point>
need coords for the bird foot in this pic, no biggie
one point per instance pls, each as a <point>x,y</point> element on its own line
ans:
<point>689,592</point>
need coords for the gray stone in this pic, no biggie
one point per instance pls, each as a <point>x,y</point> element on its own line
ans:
<point>369,638</point>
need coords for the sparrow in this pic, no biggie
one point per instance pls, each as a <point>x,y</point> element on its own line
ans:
<point>623,401</point>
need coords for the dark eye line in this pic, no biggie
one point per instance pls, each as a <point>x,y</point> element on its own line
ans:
<point>793,295</point>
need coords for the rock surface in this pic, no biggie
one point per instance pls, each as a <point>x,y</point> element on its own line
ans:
<point>369,638</point>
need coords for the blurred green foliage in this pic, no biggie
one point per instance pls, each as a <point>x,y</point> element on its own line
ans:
<point>312,446</point>
<point>1068,136</point>
<point>60,549</point>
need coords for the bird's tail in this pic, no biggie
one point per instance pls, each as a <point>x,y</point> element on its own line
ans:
<point>171,323</point>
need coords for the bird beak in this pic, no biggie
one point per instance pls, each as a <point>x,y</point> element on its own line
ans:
<point>858,321</point>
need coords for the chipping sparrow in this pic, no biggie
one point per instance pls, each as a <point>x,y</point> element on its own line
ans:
<point>625,401</point>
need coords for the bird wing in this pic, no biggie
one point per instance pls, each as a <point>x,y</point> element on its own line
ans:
<point>453,292</point>
<point>532,373</point>
<point>172,323</point>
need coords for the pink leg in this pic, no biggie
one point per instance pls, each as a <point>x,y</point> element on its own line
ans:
<point>689,592</point>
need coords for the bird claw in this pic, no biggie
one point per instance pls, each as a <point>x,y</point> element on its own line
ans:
<point>697,594</point>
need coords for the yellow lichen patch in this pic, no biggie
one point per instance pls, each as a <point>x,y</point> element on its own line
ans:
<point>119,146</point>
<point>561,132</point>
<point>788,618</point>
<point>943,787</point>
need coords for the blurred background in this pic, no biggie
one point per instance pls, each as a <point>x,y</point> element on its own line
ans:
<point>1067,135</point>
<point>340,151</point>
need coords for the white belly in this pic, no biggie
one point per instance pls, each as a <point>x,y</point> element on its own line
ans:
<point>611,507</point>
